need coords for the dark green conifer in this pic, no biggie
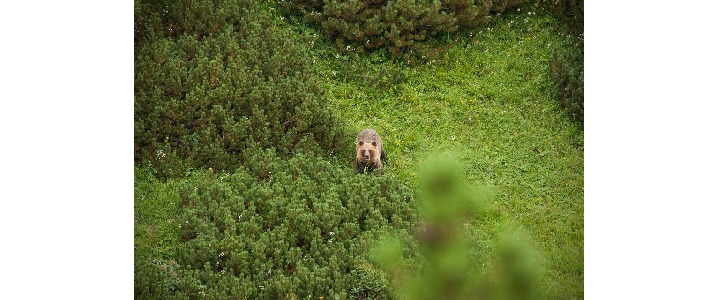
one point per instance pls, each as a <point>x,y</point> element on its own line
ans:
<point>400,26</point>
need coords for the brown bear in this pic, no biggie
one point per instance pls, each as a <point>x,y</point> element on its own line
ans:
<point>369,151</point>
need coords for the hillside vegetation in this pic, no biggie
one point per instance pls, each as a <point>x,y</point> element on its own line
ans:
<point>245,119</point>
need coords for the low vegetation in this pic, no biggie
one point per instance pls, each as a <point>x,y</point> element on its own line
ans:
<point>245,120</point>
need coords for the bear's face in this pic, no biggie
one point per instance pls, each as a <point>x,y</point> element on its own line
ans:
<point>366,152</point>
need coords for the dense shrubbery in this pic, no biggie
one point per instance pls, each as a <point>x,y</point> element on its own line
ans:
<point>281,228</point>
<point>568,11</point>
<point>213,80</point>
<point>397,25</point>
<point>567,75</point>
<point>567,62</point>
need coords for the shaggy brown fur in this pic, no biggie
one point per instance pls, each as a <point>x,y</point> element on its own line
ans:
<point>369,151</point>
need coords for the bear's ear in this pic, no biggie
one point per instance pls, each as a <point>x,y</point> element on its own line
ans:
<point>373,143</point>
<point>361,143</point>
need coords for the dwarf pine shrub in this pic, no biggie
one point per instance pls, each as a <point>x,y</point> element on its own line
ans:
<point>568,11</point>
<point>281,228</point>
<point>566,62</point>
<point>399,26</point>
<point>214,79</point>
<point>567,75</point>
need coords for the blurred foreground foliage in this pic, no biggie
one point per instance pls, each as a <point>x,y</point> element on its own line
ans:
<point>451,269</point>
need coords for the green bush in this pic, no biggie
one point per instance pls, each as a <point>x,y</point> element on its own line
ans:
<point>212,80</point>
<point>369,282</point>
<point>396,25</point>
<point>568,11</point>
<point>566,63</point>
<point>567,75</point>
<point>156,279</point>
<point>282,228</point>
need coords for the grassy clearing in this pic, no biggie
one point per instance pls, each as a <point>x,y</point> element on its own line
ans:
<point>488,99</point>
<point>156,207</point>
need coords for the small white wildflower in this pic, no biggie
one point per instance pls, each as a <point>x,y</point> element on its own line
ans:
<point>453,138</point>
<point>331,233</point>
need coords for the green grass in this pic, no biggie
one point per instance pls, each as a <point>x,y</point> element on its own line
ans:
<point>488,99</point>
<point>156,207</point>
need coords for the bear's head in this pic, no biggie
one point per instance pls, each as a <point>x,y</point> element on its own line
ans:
<point>366,152</point>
